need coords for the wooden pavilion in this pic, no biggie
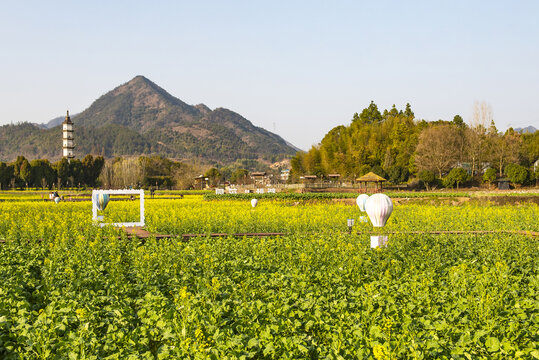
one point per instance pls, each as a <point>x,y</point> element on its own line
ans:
<point>333,178</point>
<point>370,178</point>
<point>309,179</point>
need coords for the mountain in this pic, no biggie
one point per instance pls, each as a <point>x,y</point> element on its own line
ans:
<point>528,129</point>
<point>139,117</point>
<point>53,123</point>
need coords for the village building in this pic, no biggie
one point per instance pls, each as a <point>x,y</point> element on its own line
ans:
<point>201,182</point>
<point>504,184</point>
<point>260,178</point>
<point>285,175</point>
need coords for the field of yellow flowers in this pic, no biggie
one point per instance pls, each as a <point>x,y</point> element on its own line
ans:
<point>73,290</point>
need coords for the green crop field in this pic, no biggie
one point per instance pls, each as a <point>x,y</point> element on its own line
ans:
<point>73,290</point>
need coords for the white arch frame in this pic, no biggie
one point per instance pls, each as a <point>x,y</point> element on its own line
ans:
<point>119,192</point>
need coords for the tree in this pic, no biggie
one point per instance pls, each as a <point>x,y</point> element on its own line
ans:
<point>18,181</point>
<point>437,149</point>
<point>62,170</point>
<point>17,164</point>
<point>213,175</point>
<point>88,175</point>
<point>97,167</point>
<point>239,176</point>
<point>6,174</point>
<point>312,162</point>
<point>370,115</point>
<point>379,171</point>
<point>398,174</point>
<point>427,177</point>
<point>43,174</point>
<point>476,134</point>
<point>502,149</point>
<point>458,121</point>
<point>408,111</point>
<point>184,175</point>
<point>25,172</point>
<point>518,174</point>
<point>128,173</point>
<point>106,177</point>
<point>76,172</point>
<point>489,175</point>
<point>530,147</point>
<point>456,176</point>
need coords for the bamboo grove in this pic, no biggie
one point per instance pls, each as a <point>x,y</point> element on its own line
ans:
<point>395,144</point>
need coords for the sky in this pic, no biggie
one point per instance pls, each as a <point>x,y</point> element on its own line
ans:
<point>297,68</point>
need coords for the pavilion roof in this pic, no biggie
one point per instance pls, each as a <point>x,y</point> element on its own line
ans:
<point>371,177</point>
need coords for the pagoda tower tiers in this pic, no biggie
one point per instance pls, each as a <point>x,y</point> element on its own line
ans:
<point>67,138</point>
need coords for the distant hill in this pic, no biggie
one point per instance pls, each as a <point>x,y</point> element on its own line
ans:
<point>529,129</point>
<point>53,123</point>
<point>140,117</point>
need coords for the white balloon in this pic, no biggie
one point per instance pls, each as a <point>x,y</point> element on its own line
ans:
<point>360,201</point>
<point>57,199</point>
<point>254,202</point>
<point>379,208</point>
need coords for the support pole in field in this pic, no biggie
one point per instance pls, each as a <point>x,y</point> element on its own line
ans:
<point>350,223</point>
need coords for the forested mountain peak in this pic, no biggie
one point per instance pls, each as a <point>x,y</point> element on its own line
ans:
<point>141,118</point>
<point>139,104</point>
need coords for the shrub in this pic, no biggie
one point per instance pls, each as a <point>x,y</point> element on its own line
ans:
<point>427,177</point>
<point>456,176</point>
<point>518,174</point>
<point>489,175</point>
<point>398,174</point>
<point>379,171</point>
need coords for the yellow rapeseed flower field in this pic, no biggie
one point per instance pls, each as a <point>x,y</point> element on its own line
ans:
<point>72,289</point>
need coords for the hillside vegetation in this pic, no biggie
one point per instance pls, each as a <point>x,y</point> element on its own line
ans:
<point>395,145</point>
<point>140,117</point>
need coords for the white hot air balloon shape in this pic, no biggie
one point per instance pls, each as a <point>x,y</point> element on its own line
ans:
<point>379,208</point>
<point>254,202</point>
<point>360,201</point>
<point>101,201</point>
<point>57,199</point>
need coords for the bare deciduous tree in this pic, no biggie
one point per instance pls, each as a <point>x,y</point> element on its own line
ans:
<point>184,176</point>
<point>438,149</point>
<point>122,173</point>
<point>476,134</point>
<point>503,149</point>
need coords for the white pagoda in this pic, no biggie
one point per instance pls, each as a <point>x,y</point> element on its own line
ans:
<point>67,138</point>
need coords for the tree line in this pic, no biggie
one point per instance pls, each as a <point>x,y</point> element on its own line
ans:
<point>161,172</point>
<point>395,145</point>
<point>41,173</point>
<point>154,171</point>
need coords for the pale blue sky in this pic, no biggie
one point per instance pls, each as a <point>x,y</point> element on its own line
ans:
<point>296,67</point>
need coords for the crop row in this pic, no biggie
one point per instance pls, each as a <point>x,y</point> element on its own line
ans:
<point>46,220</point>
